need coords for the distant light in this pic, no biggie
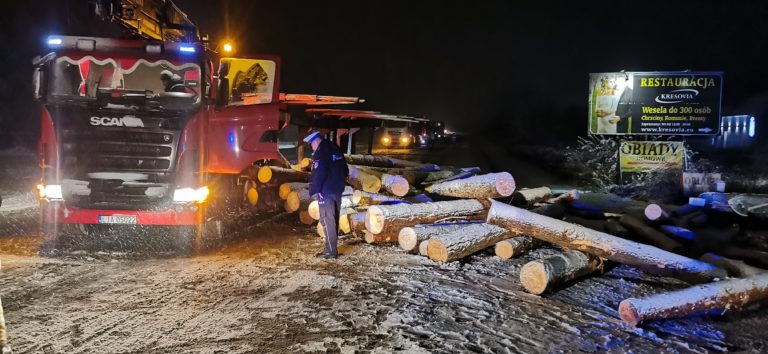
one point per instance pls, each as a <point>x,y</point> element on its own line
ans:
<point>187,48</point>
<point>55,41</point>
<point>227,47</point>
<point>751,130</point>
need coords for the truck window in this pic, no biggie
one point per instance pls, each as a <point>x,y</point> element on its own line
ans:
<point>250,81</point>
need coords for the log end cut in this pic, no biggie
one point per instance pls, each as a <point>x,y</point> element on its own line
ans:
<point>284,190</point>
<point>628,313</point>
<point>408,239</point>
<point>265,174</point>
<point>505,184</point>
<point>504,250</point>
<point>535,277</point>
<point>437,251</point>
<point>305,218</point>
<point>293,202</point>
<point>423,247</point>
<point>374,220</point>
<point>314,210</point>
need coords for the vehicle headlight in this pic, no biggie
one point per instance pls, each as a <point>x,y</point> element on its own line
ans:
<point>191,195</point>
<point>404,139</point>
<point>385,139</point>
<point>51,191</point>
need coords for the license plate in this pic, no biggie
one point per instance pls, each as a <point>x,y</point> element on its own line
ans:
<point>117,219</point>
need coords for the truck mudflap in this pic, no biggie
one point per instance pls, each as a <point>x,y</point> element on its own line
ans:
<point>177,215</point>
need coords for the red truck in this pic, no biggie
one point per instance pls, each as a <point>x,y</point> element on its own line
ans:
<point>150,132</point>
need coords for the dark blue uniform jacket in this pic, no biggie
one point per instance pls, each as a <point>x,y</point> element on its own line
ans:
<point>329,170</point>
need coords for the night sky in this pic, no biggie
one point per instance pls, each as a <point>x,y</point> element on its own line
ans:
<point>484,67</point>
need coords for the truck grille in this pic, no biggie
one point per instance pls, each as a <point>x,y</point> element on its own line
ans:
<point>123,150</point>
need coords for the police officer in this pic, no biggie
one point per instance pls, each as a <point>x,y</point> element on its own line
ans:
<point>326,185</point>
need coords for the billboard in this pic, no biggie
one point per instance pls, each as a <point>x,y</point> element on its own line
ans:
<point>655,103</point>
<point>647,156</point>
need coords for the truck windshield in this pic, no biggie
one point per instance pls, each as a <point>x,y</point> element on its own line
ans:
<point>126,83</point>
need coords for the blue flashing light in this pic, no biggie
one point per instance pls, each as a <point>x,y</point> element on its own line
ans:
<point>52,42</point>
<point>751,131</point>
<point>232,137</point>
<point>186,49</point>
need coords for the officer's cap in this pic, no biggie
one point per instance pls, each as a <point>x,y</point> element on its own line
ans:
<point>312,136</point>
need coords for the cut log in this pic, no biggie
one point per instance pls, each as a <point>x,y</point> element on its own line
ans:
<point>383,238</point>
<point>268,199</point>
<point>726,294</point>
<point>540,276</point>
<point>304,218</point>
<point>464,242</point>
<point>380,161</point>
<point>281,175</point>
<point>363,181</point>
<point>650,234</point>
<point>735,268</point>
<point>394,184</point>
<point>297,200</point>
<point>287,188</point>
<point>364,198</point>
<point>516,246</point>
<point>685,210</point>
<point>492,185</point>
<point>654,212</point>
<point>529,196</point>
<point>410,237</point>
<point>392,218</point>
<point>357,222</point>
<point>314,206</point>
<point>344,223</point>
<point>423,248</point>
<point>569,236</point>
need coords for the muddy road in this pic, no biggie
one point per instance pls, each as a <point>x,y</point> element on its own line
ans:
<point>265,292</point>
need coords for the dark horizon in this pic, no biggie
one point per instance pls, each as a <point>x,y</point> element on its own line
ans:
<point>508,70</point>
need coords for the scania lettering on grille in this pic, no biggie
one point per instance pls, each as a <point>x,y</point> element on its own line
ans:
<point>127,121</point>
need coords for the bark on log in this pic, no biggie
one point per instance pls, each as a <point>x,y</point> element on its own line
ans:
<point>410,237</point>
<point>735,268</point>
<point>281,175</point>
<point>364,198</point>
<point>529,196</point>
<point>297,200</point>
<point>461,174</point>
<point>516,246</point>
<point>268,199</point>
<point>464,242</point>
<point>650,234</point>
<point>394,184</point>
<point>644,257</point>
<point>380,161</point>
<point>678,232</point>
<point>287,188</point>
<point>492,185</point>
<point>540,276</point>
<point>305,164</point>
<point>382,238</point>
<point>392,218</point>
<point>314,206</point>
<point>304,218</point>
<point>726,294</point>
<point>363,181</point>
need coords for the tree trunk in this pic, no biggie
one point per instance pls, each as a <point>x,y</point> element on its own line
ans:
<point>650,234</point>
<point>726,294</point>
<point>269,199</point>
<point>530,196</point>
<point>287,188</point>
<point>364,198</point>
<point>392,218</point>
<point>380,161</point>
<point>314,206</point>
<point>394,184</point>
<point>463,242</point>
<point>516,246</point>
<point>647,258</point>
<point>304,218</point>
<point>297,200</point>
<point>547,274</point>
<point>410,237</point>
<point>383,238</point>
<point>281,175</point>
<point>492,185</point>
<point>737,269</point>
<point>363,181</point>
<point>462,174</point>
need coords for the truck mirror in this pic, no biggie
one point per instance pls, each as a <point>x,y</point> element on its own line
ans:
<point>37,83</point>
<point>222,94</point>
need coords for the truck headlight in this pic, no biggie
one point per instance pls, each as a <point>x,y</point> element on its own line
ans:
<point>404,140</point>
<point>51,191</point>
<point>198,195</point>
<point>385,140</point>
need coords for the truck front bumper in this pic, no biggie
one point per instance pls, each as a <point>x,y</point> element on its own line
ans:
<point>57,212</point>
